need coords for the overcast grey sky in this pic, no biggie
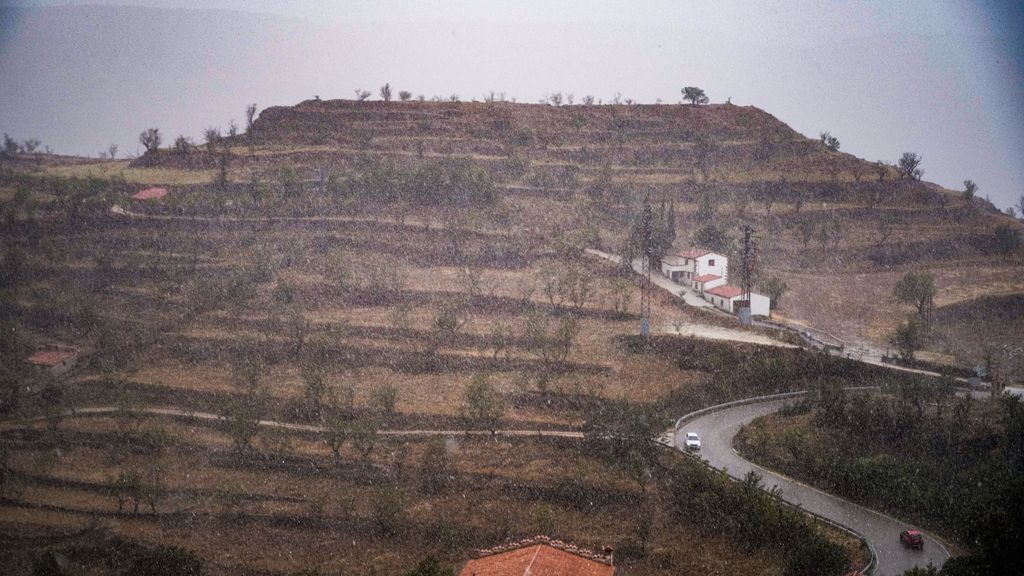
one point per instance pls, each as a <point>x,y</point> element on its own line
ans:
<point>943,79</point>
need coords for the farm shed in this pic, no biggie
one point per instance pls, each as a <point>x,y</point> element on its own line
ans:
<point>726,297</point>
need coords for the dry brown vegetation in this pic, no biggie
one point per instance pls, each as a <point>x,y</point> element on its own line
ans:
<point>304,509</point>
<point>165,310</point>
<point>829,223</point>
<point>308,278</point>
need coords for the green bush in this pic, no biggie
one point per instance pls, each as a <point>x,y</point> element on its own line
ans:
<point>49,564</point>
<point>816,556</point>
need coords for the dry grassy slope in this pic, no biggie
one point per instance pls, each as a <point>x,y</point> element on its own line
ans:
<point>651,149</point>
<point>840,281</point>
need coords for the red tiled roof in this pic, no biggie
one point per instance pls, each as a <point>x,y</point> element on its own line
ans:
<point>706,278</point>
<point>150,194</point>
<point>694,253</point>
<point>536,560</point>
<point>725,291</point>
<point>49,357</point>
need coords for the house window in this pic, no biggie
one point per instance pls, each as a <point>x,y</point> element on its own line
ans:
<point>711,262</point>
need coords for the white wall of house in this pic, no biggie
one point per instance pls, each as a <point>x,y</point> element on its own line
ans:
<point>712,263</point>
<point>760,305</point>
<point>674,271</point>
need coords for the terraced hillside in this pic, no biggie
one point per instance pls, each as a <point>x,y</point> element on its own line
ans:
<point>840,230</point>
<point>359,269</point>
<point>355,331</point>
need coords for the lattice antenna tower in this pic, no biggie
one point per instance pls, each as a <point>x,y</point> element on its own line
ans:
<point>749,260</point>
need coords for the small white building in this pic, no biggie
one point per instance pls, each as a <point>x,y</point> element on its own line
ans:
<point>687,265</point>
<point>726,297</point>
<point>707,282</point>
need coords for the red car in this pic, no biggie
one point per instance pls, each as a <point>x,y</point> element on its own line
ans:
<point>912,539</point>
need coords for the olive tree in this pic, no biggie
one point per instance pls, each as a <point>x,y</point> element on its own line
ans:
<point>337,431</point>
<point>620,293</point>
<point>775,287</point>
<point>908,166</point>
<point>436,469</point>
<point>363,434</point>
<point>549,344</point>
<point>918,289</point>
<point>500,338</point>
<point>694,95</point>
<point>244,410</point>
<point>482,405</point>
<point>212,137</point>
<point>577,285</point>
<point>830,141</point>
<point>908,338</point>
<point>388,509</point>
<point>150,139</point>
<point>385,92</point>
<point>384,400</point>
<point>970,191</point>
<point>11,146</point>
<point>250,119</point>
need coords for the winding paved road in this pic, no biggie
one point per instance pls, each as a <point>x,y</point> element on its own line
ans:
<point>717,430</point>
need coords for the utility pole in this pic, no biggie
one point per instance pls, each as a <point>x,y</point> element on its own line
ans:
<point>749,261</point>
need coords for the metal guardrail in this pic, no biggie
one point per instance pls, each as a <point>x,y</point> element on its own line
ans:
<point>758,399</point>
<point>873,555</point>
<point>808,333</point>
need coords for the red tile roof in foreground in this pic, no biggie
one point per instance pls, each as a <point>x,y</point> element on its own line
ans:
<point>725,291</point>
<point>707,278</point>
<point>49,357</point>
<point>150,194</point>
<point>536,560</point>
<point>694,253</point>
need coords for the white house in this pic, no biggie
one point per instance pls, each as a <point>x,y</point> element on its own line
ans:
<point>726,296</point>
<point>687,265</point>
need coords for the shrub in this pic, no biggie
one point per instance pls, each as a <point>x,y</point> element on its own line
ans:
<point>430,566</point>
<point>167,561</point>
<point>482,405</point>
<point>435,467</point>
<point>49,564</point>
<point>816,556</point>
<point>1007,239</point>
<point>384,399</point>
<point>387,508</point>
